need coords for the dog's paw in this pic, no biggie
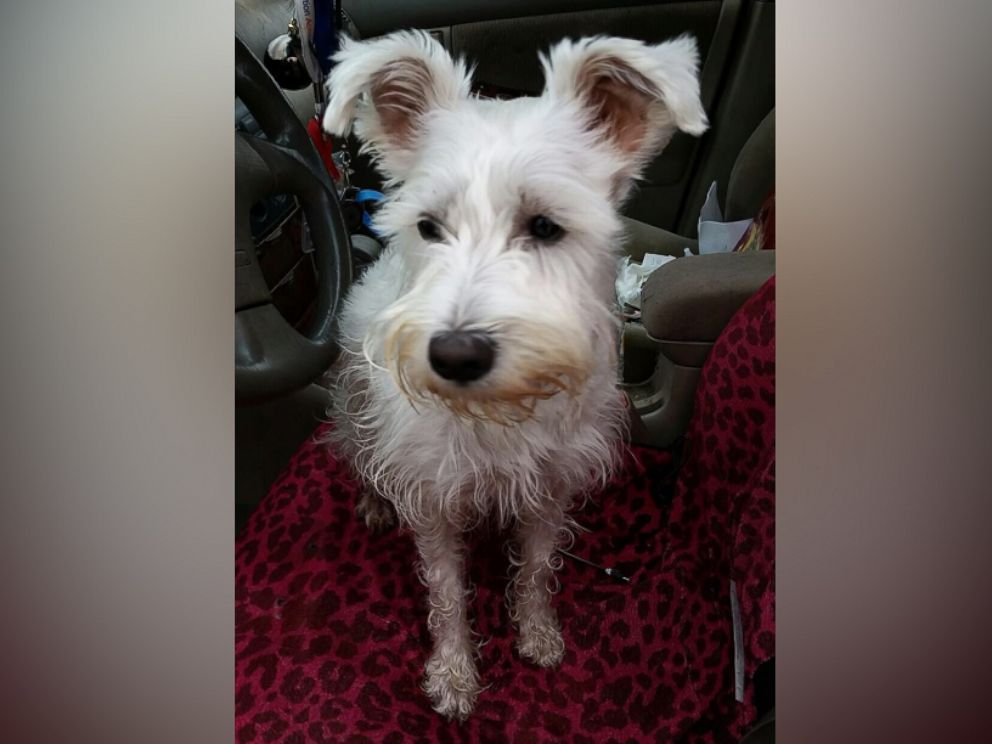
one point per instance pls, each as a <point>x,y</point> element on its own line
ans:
<point>452,684</point>
<point>377,513</point>
<point>541,642</point>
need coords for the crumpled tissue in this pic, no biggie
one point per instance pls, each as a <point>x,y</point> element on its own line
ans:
<point>631,277</point>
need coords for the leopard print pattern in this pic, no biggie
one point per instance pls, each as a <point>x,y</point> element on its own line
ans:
<point>331,621</point>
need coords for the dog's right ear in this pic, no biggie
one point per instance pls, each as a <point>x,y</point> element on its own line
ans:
<point>387,87</point>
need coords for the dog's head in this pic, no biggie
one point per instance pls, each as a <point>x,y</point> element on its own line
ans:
<point>505,212</point>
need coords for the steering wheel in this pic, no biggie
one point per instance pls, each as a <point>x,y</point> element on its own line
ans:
<point>271,357</point>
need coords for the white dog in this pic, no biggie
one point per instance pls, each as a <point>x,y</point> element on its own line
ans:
<point>478,376</point>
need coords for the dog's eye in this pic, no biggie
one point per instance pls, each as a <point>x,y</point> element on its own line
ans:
<point>429,230</point>
<point>545,229</point>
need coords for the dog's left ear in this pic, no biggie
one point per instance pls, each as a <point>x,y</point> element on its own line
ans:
<point>388,87</point>
<point>633,95</point>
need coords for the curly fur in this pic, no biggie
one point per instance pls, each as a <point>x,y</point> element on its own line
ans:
<point>545,425</point>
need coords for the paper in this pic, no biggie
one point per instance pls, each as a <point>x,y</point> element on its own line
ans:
<point>715,235</point>
<point>631,277</point>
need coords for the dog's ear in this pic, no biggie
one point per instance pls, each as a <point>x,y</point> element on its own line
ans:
<point>387,87</point>
<point>634,95</point>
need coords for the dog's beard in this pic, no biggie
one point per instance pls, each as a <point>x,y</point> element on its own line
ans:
<point>546,362</point>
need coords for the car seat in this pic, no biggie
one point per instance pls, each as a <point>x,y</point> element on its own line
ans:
<point>331,620</point>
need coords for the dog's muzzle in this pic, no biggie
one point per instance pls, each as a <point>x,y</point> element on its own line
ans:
<point>461,356</point>
<point>460,369</point>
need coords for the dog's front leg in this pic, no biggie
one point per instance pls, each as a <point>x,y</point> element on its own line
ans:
<point>379,514</point>
<point>451,680</point>
<point>540,637</point>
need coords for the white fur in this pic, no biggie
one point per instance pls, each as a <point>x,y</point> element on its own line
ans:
<point>443,456</point>
<point>671,68</point>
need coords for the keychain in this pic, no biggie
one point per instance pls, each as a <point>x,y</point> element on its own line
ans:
<point>284,59</point>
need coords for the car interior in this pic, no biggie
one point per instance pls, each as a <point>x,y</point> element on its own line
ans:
<point>300,242</point>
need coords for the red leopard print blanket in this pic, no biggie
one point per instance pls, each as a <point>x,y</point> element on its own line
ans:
<point>331,624</point>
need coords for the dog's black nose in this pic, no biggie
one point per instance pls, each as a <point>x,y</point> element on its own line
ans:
<point>461,356</point>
